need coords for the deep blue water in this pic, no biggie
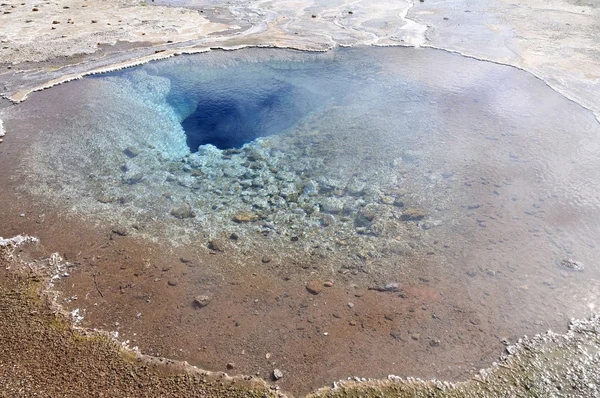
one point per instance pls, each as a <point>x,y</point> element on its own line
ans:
<point>230,114</point>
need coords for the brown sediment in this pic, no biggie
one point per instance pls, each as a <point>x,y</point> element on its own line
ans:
<point>41,354</point>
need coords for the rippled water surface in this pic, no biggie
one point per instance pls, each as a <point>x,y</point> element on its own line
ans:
<point>376,166</point>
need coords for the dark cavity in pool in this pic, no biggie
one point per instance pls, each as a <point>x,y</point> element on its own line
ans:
<point>230,114</point>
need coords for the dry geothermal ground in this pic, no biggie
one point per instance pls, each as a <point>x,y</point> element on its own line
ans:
<point>140,291</point>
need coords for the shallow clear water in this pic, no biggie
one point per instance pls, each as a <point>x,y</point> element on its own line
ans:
<point>373,165</point>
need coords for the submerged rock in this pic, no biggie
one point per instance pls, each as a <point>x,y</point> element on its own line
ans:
<point>134,178</point>
<point>364,218</point>
<point>413,214</point>
<point>131,152</point>
<point>572,264</point>
<point>184,211</point>
<point>244,216</point>
<point>216,245</point>
<point>332,205</point>
<point>355,188</point>
<point>106,198</point>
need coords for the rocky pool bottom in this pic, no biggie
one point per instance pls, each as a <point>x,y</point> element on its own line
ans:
<point>417,214</point>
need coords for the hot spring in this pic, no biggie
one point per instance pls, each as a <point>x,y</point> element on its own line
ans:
<point>467,181</point>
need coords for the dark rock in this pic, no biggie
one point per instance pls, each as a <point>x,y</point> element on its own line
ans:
<point>234,236</point>
<point>120,231</point>
<point>396,334</point>
<point>173,282</point>
<point>363,219</point>
<point>572,265</point>
<point>266,259</point>
<point>131,152</point>
<point>216,245</point>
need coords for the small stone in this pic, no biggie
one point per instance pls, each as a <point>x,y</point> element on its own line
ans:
<point>415,336</point>
<point>184,211</point>
<point>396,334</point>
<point>173,282</point>
<point>387,200</point>
<point>572,264</point>
<point>134,178</point>
<point>277,374</point>
<point>364,218</point>
<point>413,214</point>
<point>202,300</point>
<point>266,259</point>
<point>120,231</point>
<point>332,205</point>
<point>350,305</point>
<point>434,343</point>
<point>105,198</point>
<point>315,286</point>
<point>94,21</point>
<point>244,216</point>
<point>328,283</point>
<point>55,22</point>
<point>311,188</point>
<point>216,245</point>
<point>355,188</point>
<point>234,236</point>
<point>131,152</point>
<point>35,9</point>
<point>327,220</point>
<point>353,323</point>
<point>230,365</point>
